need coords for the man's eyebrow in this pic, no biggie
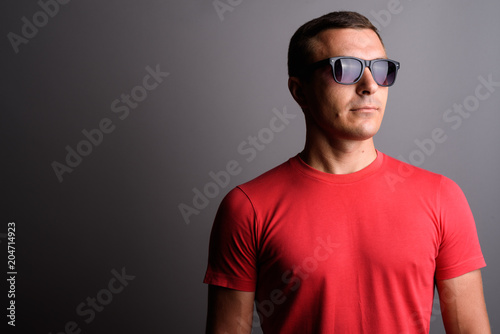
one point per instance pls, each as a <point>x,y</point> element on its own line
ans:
<point>378,58</point>
<point>348,56</point>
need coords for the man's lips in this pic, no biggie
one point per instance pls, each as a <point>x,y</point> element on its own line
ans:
<point>365,108</point>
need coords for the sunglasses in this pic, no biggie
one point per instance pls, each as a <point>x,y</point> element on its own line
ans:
<point>349,70</point>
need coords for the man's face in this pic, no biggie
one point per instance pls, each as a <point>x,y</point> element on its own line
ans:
<point>345,112</point>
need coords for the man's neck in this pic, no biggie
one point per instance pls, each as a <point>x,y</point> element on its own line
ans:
<point>339,157</point>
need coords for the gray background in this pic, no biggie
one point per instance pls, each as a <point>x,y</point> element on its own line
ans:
<point>119,207</point>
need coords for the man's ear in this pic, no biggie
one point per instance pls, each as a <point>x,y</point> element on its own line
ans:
<point>297,90</point>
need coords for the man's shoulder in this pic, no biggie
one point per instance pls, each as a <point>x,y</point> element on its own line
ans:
<point>263,188</point>
<point>277,175</point>
<point>399,171</point>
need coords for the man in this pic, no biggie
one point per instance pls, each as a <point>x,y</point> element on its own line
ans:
<point>342,238</point>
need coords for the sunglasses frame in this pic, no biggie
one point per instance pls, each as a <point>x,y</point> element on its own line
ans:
<point>364,63</point>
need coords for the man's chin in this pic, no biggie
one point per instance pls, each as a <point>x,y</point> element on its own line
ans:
<point>363,133</point>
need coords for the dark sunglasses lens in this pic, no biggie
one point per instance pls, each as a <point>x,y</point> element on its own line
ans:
<point>384,72</point>
<point>347,70</point>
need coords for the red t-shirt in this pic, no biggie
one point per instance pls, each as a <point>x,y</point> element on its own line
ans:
<point>352,253</point>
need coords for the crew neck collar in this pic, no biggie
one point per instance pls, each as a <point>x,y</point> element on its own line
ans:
<point>304,168</point>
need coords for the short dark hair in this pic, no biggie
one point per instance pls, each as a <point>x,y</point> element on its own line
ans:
<point>300,48</point>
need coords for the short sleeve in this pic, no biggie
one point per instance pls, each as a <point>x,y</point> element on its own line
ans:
<point>459,251</point>
<point>232,259</point>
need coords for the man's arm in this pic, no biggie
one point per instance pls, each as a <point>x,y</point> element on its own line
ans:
<point>462,304</point>
<point>229,311</point>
